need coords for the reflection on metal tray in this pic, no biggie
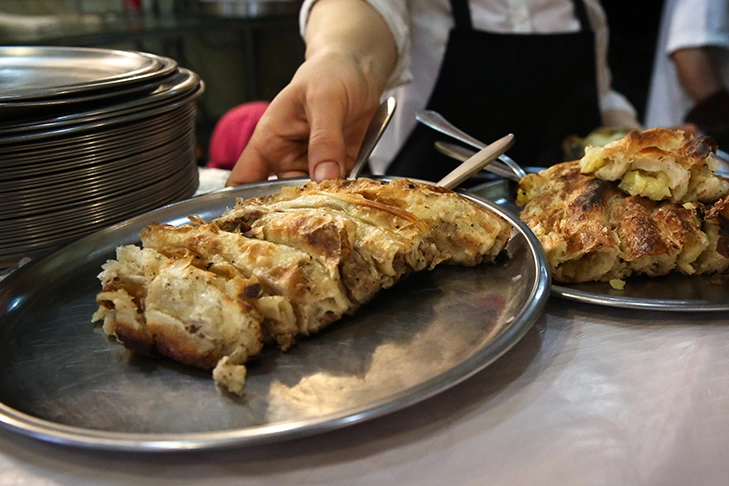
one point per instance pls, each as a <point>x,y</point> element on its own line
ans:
<point>62,380</point>
<point>673,292</point>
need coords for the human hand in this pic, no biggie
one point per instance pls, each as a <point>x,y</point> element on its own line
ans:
<point>314,126</point>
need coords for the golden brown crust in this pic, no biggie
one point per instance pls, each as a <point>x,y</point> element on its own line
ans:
<point>567,212</point>
<point>177,313</point>
<point>317,298</point>
<point>283,266</point>
<point>459,228</point>
<point>592,231</point>
<point>660,164</point>
<point>718,216</point>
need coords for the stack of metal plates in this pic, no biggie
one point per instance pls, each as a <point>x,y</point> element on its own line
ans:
<point>88,138</point>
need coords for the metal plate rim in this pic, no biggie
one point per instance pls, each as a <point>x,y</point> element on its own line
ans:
<point>150,67</point>
<point>140,442</point>
<point>159,101</point>
<point>568,293</point>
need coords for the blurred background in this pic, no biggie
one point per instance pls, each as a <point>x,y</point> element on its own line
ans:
<point>247,50</point>
<point>244,50</point>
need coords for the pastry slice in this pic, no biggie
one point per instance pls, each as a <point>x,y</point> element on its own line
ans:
<point>379,245</point>
<point>154,303</point>
<point>463,232</point>
<point>591,230</point>
<point>276,268</point>
<point>659,164</point>
<point>316,298</point>
<point>715,259</point>
<point>569,213</point>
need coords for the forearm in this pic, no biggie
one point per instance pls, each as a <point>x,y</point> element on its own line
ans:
<point>352,28</point>
<point>700,78</point>
<point>696,72</point>
<point>616,110</point>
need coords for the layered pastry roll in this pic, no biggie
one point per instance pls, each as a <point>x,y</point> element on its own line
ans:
<point>592,230</point>
<point>275,268</point>
<point>659,164</point>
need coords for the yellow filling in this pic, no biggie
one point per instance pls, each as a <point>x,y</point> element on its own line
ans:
<point>654,186</point>
<point>593,160</point>
<point>528,187</point>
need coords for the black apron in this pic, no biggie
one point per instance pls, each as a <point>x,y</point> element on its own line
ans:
<point>540,87</point>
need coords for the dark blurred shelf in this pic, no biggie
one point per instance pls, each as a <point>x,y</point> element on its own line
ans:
<point>96,30</point>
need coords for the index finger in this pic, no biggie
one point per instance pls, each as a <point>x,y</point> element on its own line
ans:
<point>327,154</point>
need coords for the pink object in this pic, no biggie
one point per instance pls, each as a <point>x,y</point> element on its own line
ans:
<point>232,133</point>
<point>132,6</point>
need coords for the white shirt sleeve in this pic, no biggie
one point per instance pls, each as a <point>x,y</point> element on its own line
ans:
<point>396,15</point>
<point>696,23</point>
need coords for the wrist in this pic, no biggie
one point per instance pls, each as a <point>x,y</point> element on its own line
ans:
<point>354,31</point>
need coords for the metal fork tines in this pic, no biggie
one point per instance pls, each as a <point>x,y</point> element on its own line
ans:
<point>437,122</point>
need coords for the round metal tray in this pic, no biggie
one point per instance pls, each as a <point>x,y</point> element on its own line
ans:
<point>248,8</point>
<point>63,380</point>
<point>48,74</point>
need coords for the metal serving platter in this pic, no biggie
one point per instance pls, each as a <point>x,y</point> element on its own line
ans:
<point>107,156</point>
<point>100,147</point>
<point>40,244</point>
<point>38,108</point>
<point>46,174</point>
<point>107,205</point>
<point>46,73</point>
<point>90,185</point>
<point>39,234</point>
<point>62,380</point>
<point>669,293</point>
<point>185,85</point>
<point>29,112</point>
<point>122,119</point>
<point>248,8</point>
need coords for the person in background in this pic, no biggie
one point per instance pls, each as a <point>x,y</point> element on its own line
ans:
<point>534,68</point>
<point>691,69</point>
<point>232,132</point>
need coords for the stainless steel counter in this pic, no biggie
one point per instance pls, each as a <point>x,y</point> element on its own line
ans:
<point>591,395</point>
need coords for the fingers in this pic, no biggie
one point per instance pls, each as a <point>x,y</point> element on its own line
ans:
<point>320,140</point>
<point>277,146</point>
<point>313,127</point>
